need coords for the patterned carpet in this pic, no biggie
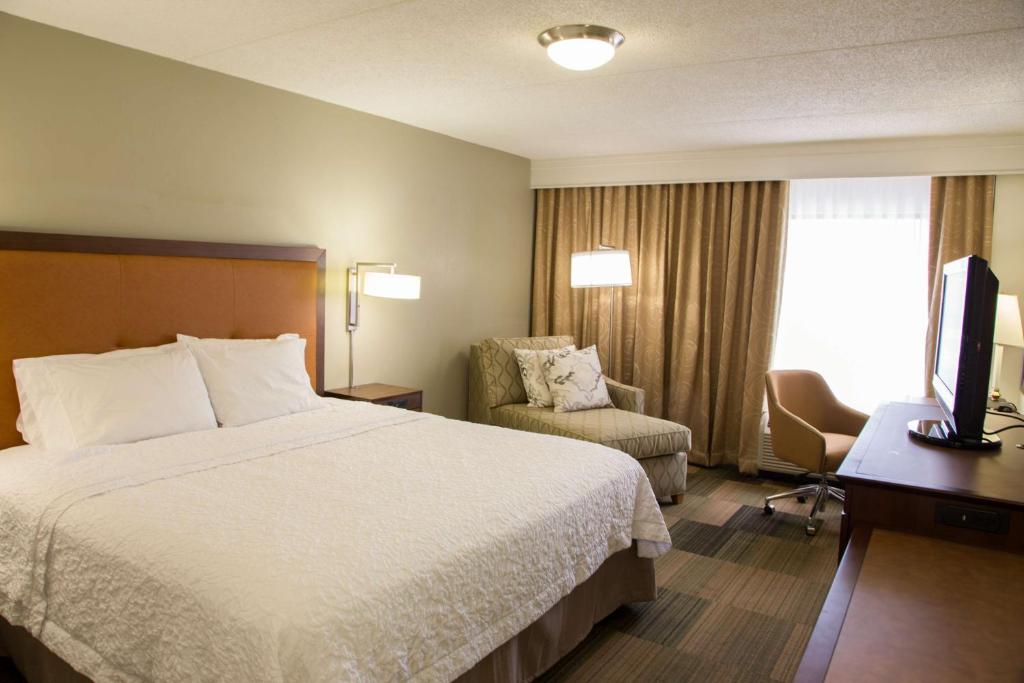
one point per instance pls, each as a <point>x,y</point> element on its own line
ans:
<point>738,594</point>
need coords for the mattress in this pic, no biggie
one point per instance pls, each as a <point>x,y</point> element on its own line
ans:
<point>357,542</point>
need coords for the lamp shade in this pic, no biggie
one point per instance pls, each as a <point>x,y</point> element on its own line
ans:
<point>601,268</point>
<point>391,285</point>
<point>580,54</point>
<point>1008,327</point>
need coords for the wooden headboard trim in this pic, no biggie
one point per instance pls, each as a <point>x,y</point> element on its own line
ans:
<point>36,241</point>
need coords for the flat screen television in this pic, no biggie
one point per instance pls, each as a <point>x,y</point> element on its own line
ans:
<point>963,356</point>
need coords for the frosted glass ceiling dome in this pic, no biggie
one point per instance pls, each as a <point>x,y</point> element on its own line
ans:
<point>581,47</point>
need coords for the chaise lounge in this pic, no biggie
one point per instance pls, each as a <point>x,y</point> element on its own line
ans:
<point>497,397</point>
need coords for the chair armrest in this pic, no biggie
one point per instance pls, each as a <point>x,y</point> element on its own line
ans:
<point>845,420</point>
<point>796,441</point>
<point>625,397</point>
<point>478,407</point>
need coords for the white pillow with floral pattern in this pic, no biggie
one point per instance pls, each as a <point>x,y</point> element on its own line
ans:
<point>575,380</point>
<point>531,368</point>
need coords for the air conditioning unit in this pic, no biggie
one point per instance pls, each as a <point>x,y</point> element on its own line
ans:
<point>766,459</point>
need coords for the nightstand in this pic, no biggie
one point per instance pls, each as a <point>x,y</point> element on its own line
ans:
<point>381,394</point>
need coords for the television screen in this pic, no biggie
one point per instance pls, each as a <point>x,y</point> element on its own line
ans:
<point>951,327</point>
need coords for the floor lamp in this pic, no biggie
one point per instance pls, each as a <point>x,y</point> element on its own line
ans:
<point>386,285</point>
<point>605,267</point>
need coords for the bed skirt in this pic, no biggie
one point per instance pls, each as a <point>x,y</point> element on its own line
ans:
<point>623,578</point>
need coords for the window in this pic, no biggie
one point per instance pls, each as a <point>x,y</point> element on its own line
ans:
<point>855,286</point>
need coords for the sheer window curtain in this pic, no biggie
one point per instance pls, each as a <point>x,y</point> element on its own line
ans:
<point>854,303</point>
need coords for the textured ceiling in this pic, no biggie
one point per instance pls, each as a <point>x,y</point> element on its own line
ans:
<point>692,74</point>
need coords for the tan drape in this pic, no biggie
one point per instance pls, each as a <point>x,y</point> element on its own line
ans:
<point>695,329</point>
<point>961,225</point>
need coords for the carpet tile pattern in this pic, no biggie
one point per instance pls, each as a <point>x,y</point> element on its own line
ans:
<point>738,592</point>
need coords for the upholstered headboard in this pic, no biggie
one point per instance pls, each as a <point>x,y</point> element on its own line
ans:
<point>74,294</point>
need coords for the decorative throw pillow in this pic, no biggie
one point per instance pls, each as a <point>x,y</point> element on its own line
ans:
<point>531,368</point>
<point>575,380</point>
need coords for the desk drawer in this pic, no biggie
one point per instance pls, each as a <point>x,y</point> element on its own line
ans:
<point>947,517</point>
<point>972,517</point>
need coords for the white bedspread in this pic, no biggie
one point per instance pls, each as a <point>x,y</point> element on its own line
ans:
<point>353,543</point>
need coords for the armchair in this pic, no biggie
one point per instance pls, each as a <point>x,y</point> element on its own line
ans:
<point>497,397</point>
<point>811,429</point>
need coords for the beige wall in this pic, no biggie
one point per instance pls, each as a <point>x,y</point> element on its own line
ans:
<point>101,139</point>
<point>1008,264</point>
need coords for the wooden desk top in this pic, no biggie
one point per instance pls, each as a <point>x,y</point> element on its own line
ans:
<point>885,454</point>
<point>923,609</point>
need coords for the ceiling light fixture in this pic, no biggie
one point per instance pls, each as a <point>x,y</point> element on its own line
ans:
<point>581,47</point>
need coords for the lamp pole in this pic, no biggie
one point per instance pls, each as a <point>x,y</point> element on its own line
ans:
<point>611,327</point>
<point>611,313</point>
<point>353,310</point>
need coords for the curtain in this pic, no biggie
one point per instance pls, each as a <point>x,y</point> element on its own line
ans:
<point>855,286</point>
<point>695,329</point>
<point>961,225</point>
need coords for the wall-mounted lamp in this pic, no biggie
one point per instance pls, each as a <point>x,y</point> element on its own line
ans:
<point>386,285</point>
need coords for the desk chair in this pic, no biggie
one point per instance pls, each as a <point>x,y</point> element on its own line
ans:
<point>811,429</point>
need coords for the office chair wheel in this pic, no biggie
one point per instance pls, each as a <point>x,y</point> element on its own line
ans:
<point>801,499</point>
<point>769,508</point>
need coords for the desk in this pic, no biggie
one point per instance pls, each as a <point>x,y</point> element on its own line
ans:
<point>930,584</point>
<point>895,482</point>
<point>914,608</point>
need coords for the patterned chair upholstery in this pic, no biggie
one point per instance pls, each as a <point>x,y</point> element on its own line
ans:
<point>497,397</point>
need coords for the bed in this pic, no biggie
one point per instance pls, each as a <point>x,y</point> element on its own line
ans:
<point>348,542</point>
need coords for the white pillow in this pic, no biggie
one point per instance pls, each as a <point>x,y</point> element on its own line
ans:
<point>531,362</point>
<point>575,380</point>
<point>109,398</point>
<point>254,379</point>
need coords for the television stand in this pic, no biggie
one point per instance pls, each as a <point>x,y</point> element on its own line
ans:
<point>940,433</point>
<point>905,484</point>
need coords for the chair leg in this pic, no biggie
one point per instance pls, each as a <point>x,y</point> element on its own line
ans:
<point>677,498</point>
<point>820,489</point>
<point>800,493</point>
<point>819,503</point>
<point>807,490</point>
